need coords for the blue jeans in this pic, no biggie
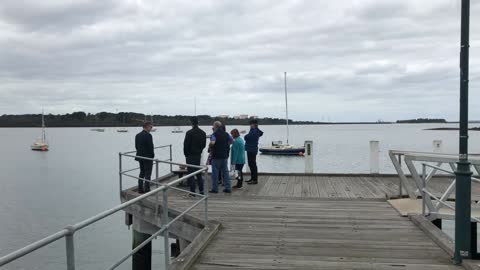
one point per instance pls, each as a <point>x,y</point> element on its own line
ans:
<point>220,165</point>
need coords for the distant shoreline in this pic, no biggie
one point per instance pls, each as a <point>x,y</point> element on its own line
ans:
<point>246,124</point>
<point>450,129</point>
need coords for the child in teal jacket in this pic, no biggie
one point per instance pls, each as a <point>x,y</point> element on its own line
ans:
<point>237,156</point>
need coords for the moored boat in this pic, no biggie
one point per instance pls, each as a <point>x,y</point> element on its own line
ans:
<point>278,148</point>
<point>41,143</point>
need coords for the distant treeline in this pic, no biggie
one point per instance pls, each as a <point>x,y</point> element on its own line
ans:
<point>422,120</point>
<point>106,119</point>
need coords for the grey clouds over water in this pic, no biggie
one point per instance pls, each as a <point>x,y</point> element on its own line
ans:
<point>346,60</point>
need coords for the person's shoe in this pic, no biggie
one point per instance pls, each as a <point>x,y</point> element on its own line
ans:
<point>227,191</point>
<point>212,191</point>
<point>248,181</point>
<point>237,186</point>
<point>191,195</point>
<point>140,190</point>
<point>254,182</point>
<point>202,193</point>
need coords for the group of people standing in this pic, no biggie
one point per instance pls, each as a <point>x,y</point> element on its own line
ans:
<point>222,146</point>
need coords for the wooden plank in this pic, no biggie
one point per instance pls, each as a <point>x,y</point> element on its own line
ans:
<point>312,186</point>
<point>302,222</point>
<point>297,190</point>
<point>188,256</point>
<point>332,193</point>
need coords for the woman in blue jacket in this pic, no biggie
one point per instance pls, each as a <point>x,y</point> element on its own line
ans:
<point>237,156</point>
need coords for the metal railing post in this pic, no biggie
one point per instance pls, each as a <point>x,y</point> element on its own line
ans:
<point>165,233</point>
<point>205,191</point>
<point>70,248</point>
<point>424,186</point>
<point>171,158</point>
<point>156,179</point>
<point>400,188</point>
<point>120,172</point>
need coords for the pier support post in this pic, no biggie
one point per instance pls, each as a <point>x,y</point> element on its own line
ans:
<point>374,157</point>
<point>308,156</point>
<point>142,260</point>
<point>463,173</point>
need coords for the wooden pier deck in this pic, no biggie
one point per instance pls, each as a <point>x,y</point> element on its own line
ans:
<point>313,222</point>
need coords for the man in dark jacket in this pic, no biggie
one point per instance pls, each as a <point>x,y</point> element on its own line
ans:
<point>251,146</point>
<point>220,146</point>
<point>144,146</point>
<point>193,145</point>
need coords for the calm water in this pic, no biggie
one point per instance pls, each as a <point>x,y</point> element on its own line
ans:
<point>42,192</point>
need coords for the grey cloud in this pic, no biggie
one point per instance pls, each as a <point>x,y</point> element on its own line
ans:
<point>341,56</point>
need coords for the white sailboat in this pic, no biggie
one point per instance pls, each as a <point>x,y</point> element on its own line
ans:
<point>278,147</point>
<point>41,143</point>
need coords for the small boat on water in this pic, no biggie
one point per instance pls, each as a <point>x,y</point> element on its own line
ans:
<point>122,130</point>
<point>277,147</point>
<point>41,143</point>
<point>98,129</point>
<point>243,131</point>
<point>177,130</point>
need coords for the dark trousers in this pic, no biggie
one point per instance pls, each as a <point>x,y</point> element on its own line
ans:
<point>146,173</point>
<point>198,177</point>
<point>239,168</point>
<point>252,163</point>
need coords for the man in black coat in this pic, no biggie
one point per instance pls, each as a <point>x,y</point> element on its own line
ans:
<point>193,145</point>
<point>144,146</point>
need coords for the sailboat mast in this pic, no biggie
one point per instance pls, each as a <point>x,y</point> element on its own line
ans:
<point>286,103</point>
<point>195,106</point>
<point>43,128</point>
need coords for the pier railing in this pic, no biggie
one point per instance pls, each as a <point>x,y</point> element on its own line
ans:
<point>69,231</point>
<point>431,164</point>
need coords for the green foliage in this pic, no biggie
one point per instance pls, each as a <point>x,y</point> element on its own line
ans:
<point>422,120</point>
<point>107,119</point>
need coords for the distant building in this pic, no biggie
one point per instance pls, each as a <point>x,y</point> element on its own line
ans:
<point>253,117</point>
<point>241,116</point>
<point>223,116</point>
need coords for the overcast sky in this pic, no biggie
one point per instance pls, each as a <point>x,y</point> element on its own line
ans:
<point>346,60</point>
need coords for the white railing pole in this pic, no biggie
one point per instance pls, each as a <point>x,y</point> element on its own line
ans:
<point>308,156</point>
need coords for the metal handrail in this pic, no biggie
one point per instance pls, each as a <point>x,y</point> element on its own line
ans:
<point>440,201</point>
<point>157,147</point>
<point>69,231</point>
